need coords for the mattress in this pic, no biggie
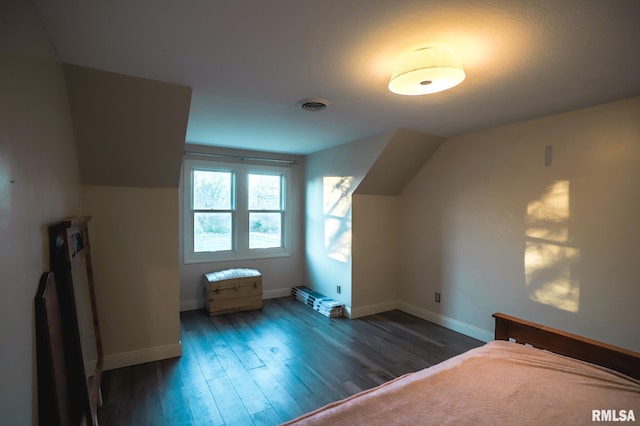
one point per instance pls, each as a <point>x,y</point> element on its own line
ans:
<point>498,383</point>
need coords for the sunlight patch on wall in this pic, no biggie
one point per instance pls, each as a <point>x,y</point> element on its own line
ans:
<point>549,256</point>
<point>336,206</point>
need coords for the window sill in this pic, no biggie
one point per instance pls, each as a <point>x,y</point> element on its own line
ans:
<point>232,256</point>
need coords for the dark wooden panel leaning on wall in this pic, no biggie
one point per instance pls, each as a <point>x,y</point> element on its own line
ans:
<point>69,348</point>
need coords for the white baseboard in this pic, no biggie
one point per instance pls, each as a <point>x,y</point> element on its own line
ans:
<point>274,294</point>
<point>192,305</point>
<point>450,323</point>
<point>346,311</point>
<point>372,309</point>
<point>142,356</point>
<point>352,313</point>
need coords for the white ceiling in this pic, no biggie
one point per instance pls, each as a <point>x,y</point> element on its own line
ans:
<point>250,61</point>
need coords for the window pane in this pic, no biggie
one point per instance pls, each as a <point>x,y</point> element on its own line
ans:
<point>211,190</point>
<point>265,230</point>
<point>264,192</point>
<point>211,232</point>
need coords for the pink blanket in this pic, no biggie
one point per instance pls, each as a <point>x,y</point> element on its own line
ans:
<point>499,383</point>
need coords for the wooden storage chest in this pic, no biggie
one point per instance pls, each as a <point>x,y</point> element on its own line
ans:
<point>232,290</point>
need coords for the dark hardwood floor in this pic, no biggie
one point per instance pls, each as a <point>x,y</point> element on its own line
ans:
<point>266,367</point>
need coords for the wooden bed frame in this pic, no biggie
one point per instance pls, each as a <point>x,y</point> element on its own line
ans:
<point>571,345</point>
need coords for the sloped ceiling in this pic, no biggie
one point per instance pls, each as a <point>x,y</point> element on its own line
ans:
<point>403,156</point>
<point>129,131</point>
<point>250,61</point>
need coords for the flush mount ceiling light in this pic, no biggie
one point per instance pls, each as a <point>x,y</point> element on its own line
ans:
<point>427,70</point>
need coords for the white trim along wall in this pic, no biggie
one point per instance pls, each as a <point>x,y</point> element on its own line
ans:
<point>190,305</point>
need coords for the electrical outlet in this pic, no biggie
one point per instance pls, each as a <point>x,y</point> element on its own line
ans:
<point>437,297</point>
<point>338,289</point>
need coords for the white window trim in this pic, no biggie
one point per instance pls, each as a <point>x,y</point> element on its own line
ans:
<point>240,237</point>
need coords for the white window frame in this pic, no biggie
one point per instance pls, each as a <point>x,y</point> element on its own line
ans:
<point>240,222</point>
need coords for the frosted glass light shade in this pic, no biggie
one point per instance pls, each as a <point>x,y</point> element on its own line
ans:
<point>428,70</point>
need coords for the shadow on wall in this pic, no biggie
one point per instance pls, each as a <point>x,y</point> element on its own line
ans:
<point>549,255</point>
<point>336,209</point>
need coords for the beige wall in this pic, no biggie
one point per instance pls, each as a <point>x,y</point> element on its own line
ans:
<point>376,213</point>
<point>39,181</point>
<point>279,274</point>
<point>490,227</point>
<point>329,212</point>
<point>375,254</point>
<point>130,136</point>
<point>134,238</point>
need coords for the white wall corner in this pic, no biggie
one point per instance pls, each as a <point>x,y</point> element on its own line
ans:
<point>142,356</point>
<point>450,323</point>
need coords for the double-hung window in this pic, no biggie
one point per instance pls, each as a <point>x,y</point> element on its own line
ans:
<point>234,211</point>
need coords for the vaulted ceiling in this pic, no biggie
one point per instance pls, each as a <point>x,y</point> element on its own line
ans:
<point>250,61</point>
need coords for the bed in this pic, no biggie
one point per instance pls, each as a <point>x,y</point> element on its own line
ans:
<point>550,378</point>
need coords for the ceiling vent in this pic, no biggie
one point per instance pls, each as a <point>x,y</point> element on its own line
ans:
<point>313,104</point>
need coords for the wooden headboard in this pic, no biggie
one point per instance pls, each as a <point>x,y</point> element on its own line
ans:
<point>563,343</point>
